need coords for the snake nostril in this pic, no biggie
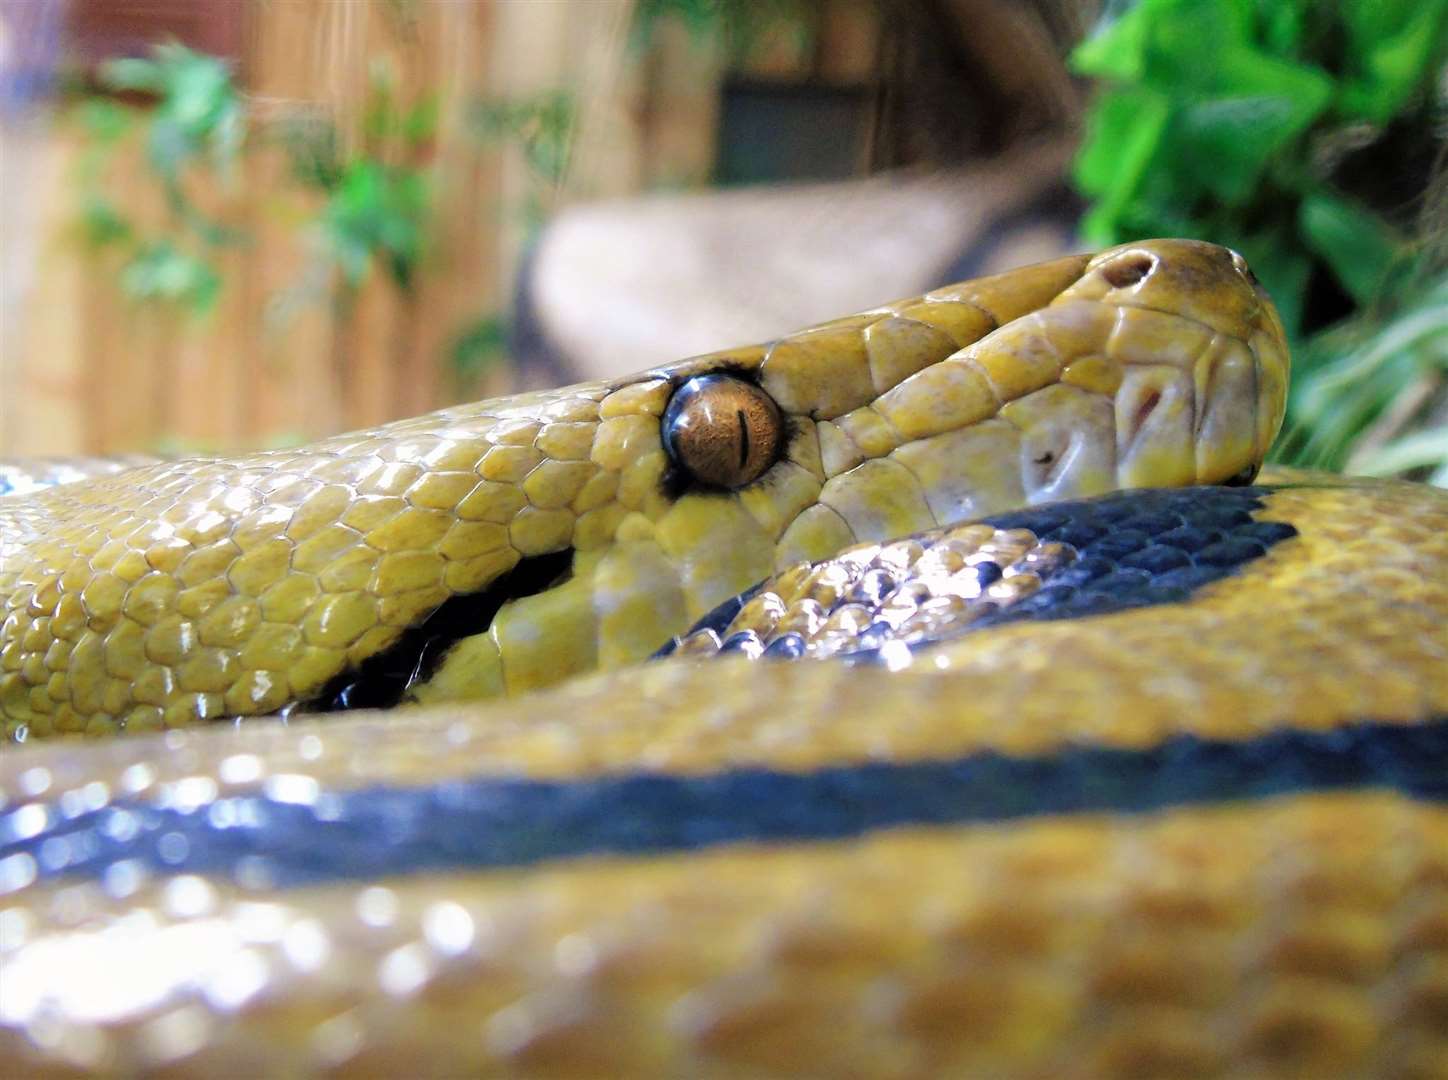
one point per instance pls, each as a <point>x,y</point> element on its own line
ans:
<point>1144,408</point>
<point>1130,269</point>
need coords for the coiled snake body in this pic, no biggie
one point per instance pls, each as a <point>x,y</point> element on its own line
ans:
<point>1063,782</point>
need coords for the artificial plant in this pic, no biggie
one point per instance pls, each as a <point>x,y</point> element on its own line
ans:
<point>374,190</point>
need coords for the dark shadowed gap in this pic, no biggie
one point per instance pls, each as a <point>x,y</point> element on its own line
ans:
<point>380,681</point>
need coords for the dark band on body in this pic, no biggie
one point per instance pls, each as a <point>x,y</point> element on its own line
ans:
<point>1141,548</point>
<point>1132,549</point>
<point>288,832</point>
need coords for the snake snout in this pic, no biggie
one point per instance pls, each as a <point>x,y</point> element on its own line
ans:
<point>1198,357</point>
<point>1160,364</point>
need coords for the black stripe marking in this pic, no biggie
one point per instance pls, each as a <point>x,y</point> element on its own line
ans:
<point>1140,548</point>
<point>287,838</point>
<point>1134,549</point>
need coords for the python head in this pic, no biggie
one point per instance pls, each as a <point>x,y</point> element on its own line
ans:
<point>491,548</point>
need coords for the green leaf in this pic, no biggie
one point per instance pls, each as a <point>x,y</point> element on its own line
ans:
<point>1226,143</point>
<point>160,271</point>
<point>1394,48</point>
<point>1419,450</point>
<point>1370,22</point>
<point>1238,104</point>
<point>1167,43</point>
<point>1248,71</point>
<point>1123,133</point>
<point>376,212</point>
<point>1358,246</point>
<point>198,90</point>
<point>102,225</point>
<point>1345,378</point>
<point>1189,41</point>
<point>132,73</point>
<point>198,107</point>
<point>1282,25</point>
<point>1116,48</point>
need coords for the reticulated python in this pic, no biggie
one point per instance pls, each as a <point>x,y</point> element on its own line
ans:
<point>1140,784</point>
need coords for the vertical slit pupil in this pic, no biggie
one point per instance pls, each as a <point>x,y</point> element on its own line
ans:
<point>743,438</point>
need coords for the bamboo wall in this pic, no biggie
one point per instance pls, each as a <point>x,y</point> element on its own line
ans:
<point>86,370</point>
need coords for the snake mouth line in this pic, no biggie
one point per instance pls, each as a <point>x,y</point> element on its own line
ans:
<point>380,681</point>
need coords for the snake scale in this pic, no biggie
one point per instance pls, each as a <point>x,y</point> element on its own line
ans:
<point>999,723</point>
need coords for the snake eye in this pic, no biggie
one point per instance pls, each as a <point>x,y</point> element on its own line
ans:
<point>723,431</point>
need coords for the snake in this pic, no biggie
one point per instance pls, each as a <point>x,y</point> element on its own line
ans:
<point>941,690</point>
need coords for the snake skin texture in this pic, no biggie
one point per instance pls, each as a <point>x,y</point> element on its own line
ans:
<point>1199,838</point>
<point>21,477</point>
<point>198,590</point>
<point>1138,784</point>
<point>1065,560</point>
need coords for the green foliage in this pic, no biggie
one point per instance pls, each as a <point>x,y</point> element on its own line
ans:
<point>1219,114</point>
<point>377,185</point>
<point>542,125</point>
<point>197,126</point>
<point>477,347</point>
<point>379,198</point>
<point>741,25</point>
<point>1277,127</point>
<point>198,111</point>
<point>158,270</point>
<point>1374,392</point>
<point>376,213</point>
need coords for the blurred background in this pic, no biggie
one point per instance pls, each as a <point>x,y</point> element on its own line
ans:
<point>241,223</point>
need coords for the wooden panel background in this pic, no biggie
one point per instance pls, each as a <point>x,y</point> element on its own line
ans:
<point>85,370</point>
<point>89,371</point>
